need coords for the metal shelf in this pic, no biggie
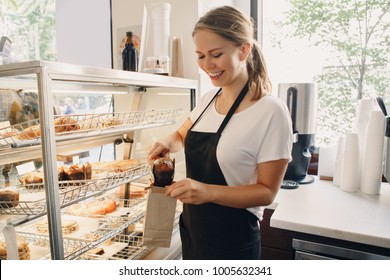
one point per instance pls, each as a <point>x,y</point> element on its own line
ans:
<point>48,79</point>
<point>71,191</point>
<point>22,141</point>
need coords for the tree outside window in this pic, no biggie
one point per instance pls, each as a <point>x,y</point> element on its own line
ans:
<point>30,25</point>
<point>352,39</point>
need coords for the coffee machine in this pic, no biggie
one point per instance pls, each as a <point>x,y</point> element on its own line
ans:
<point>301,100</point>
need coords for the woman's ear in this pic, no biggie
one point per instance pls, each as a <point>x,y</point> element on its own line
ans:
<point>245,50</point>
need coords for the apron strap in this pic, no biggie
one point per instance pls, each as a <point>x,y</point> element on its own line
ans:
<point>208,105</point>
<point>234,107</point>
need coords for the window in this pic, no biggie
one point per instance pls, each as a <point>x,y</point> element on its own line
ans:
<point>30,25</point>
<point>342,46</point>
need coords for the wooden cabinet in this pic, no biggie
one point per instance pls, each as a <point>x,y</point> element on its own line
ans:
<point>276,244</point>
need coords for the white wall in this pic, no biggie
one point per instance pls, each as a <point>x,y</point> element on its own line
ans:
<point>83,32</point>
<point>182,18</point>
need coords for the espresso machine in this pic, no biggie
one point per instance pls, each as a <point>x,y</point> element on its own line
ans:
<point>301,100</point>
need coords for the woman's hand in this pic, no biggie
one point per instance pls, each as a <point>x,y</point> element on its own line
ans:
<point>171,144</point>
<point>158,149</point>
<point>189,191</point>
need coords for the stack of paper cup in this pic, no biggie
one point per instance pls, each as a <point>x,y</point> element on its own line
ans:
<point>350,172</point>
<point>161,29</point>
<point>364,113</point>
<point>326,159</point>
<point>373,154</point>
<point>338,161</point>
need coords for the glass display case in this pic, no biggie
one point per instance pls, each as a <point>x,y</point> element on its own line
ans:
<point>74,137</point>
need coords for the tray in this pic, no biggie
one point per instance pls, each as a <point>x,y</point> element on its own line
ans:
<point>128,246</point>
<point>77,243</point>
<point>40,245</point>
<point>32,196</point>
<point>73,126</point>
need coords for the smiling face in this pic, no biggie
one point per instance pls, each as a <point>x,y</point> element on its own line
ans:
<point>222,61</point>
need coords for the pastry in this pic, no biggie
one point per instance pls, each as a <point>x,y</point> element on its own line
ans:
<point>115,165</point>
<point>76,172</point>
<point>163,170</point>
<point>65,124</point>
<point>109,205</point>
<point>62,173</point>
<point>35,177</point>
<point>111,121</point>
<point>68,226</point>
<point>78,209</point>
<point>9,199</point>
<point>10,133</point>
<point>92,208</point>
<point>123,165</point>
<point>135,192</point>
<point>88,170</point>
<point>31,132</point>
<point>96,208</point>
<point>23,250</point>
<point>96,251</point>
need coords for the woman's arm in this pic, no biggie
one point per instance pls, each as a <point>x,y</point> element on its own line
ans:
<point>172,143</point>
<point>270,176</point>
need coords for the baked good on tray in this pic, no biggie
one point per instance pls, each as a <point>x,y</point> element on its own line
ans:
<point>135,192</point>
<point>96,251</point>
<point>10,133</point>
<point>23,250</point>
<point>115,165</point>
<point>31,132</point>
<point>35,177</point>
<point>111,121</point>
<point>68,226</point>
<point>65,124</point>
<point>9,199</point>
<point>61,124</point>
<point>92,208</point>
<point>65,173</point>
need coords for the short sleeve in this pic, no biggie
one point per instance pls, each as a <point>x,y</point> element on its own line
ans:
<point>278,138</point>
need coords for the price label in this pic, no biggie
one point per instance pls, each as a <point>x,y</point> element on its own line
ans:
<point>76,160</point>
<point>25,168</point>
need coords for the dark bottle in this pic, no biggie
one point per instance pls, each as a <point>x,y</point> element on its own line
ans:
<point>129,54</point>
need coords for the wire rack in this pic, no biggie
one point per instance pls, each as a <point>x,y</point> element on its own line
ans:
<point>109,227</point>
<point>28,133</point>
<point>133,248</point>
<point>71,191</point>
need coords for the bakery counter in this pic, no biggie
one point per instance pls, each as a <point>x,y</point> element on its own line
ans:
<point>322,209</point>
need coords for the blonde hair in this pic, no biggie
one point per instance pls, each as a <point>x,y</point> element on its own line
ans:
<point>234,26</point>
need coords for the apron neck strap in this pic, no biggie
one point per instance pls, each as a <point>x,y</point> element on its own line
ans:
<point>204,110</point>
<point>234,107</point>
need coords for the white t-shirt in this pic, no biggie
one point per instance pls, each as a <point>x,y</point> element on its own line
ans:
<point>260,133</point>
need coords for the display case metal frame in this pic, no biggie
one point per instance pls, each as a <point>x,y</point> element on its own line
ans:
<point>53,75</point>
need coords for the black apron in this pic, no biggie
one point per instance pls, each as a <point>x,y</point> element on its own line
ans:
<point>211,231</point>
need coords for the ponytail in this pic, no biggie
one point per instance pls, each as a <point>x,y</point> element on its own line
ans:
<point>257,72</point>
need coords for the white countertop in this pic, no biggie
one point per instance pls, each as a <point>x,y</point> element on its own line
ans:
<point>323,209</point>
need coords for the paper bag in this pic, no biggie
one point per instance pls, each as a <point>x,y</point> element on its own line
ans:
<point>159,218</point>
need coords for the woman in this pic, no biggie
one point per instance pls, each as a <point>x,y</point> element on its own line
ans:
<point>237,144</point>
